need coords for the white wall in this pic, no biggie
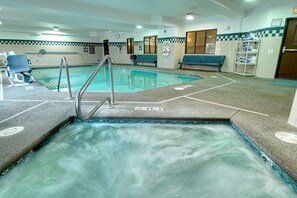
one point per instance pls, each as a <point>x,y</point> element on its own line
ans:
<point>118,46</point>
<point>180,31</point>
<point>256,19</point>
<point>268,57</point>
<point>25,36</point>
<point>261,16</point>
<point>218,22</point>
<point>54,53</point>
<point>123,36</point>
<point>79,57</point>
<point>166,61</point>
<point>166,32</point>
<point>228,49</point>
<point>119,54</point>
<point>138,35</point>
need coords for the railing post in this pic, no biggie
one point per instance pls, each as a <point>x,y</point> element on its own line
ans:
<point>64,60</point>
<point>68,77</point>
<point>60,74</point>
<point>111,80</point>
<point>85,86</point>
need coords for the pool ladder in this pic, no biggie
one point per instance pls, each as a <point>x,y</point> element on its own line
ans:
<point>64,60</point>
<point>86,85</point>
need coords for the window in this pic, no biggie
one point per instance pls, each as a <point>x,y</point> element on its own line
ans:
<point>150,44</point>
<point>201,42</point>
<point>130,45</point>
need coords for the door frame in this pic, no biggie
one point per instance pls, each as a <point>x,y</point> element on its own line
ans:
<point>282,44</point>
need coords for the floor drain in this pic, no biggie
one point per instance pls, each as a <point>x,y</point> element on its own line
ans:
<point>11,131</point>
<point>287,137</point>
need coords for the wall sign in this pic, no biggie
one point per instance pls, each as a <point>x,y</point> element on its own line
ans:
<point>86,48</point>
<point>166,44</point>
<point>166,50</point>
<point>276,22</point>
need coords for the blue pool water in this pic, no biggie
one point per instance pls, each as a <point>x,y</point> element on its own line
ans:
<point>125,79</point>
<point>147,160</point>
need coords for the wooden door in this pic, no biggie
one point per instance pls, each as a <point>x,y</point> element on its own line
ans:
<point>287,67</point>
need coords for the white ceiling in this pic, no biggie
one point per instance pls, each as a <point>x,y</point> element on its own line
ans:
<point>96,17</point>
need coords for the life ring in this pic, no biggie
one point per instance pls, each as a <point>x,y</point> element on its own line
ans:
<point>166,52</point>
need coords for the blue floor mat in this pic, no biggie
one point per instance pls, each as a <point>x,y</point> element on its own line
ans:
<point>284,82</point>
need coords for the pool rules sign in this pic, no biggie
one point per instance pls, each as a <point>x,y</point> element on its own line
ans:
<point>166,48</point>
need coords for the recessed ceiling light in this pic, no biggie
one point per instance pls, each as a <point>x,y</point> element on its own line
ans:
<point>56,29</point>
<point>250,0</point>
<point>0,22</point>
<point>189,16</point>
<point>138,26</point>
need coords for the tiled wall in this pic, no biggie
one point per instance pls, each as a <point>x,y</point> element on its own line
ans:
<point>176,43</point>
<point>228,49</point>
<point>261,33</point>
<point>75,52</point>
<point>176,52</point>
<point>226,44</point>
<point>268,57</point>
<point>268,54</point>
<point>118,51</point>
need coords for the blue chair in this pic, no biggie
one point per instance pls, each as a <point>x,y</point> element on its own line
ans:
<point>18,66</point>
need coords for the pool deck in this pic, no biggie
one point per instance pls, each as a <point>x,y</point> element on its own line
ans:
<point>257,108</point>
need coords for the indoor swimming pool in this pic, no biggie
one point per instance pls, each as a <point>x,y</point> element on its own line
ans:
<point>149,159</point>
<point>125,79</point>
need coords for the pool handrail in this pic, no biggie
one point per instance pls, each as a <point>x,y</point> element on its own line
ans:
<point>64,60</point>
<point>85,86</point>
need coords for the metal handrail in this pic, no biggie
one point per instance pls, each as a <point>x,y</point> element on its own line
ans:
<point>85,86</point>
<point>64,60</point>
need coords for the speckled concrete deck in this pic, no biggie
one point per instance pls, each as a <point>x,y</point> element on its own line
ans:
<point>252,104</point>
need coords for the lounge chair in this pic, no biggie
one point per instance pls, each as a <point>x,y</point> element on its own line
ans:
<point>18,69</point>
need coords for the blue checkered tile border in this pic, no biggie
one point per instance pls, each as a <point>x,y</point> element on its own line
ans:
<point>269,32</point>
<point>117,44</point>
<point>265,32</point>
<point>51,43</point>
<point>161,40</point>
<point>229,37</point>
<point>172,39</point>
